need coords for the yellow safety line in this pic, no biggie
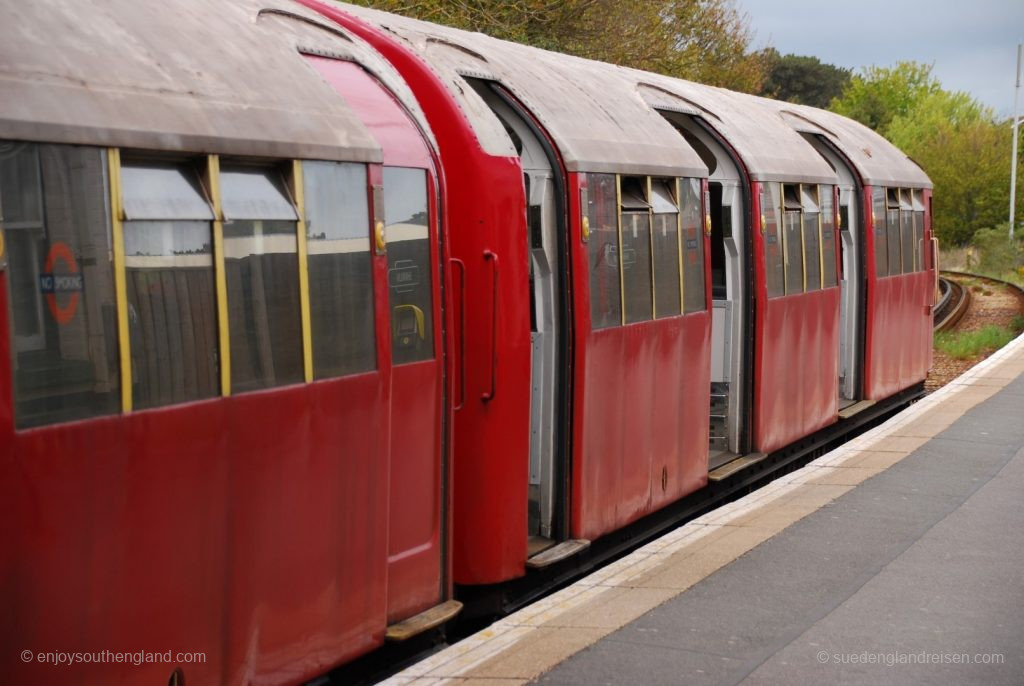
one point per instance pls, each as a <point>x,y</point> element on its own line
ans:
<point>307,329</point>
<point>221,282</point>
<point>622,277</point>
<point>679,244</point>
<point>120,282</point>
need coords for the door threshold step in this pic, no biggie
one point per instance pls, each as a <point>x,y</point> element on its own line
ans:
<point>557,553</point>
<point>848,412</point>
<point>737,465</point>
<point>424,621</point>
<point>538,544</point>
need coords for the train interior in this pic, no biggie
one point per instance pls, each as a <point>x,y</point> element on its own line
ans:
<point>851,276</point>
<point>729,345</point>
<point>546,319</point>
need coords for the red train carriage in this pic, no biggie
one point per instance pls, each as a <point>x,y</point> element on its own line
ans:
<point>616,334</point>
<point>888,256</point>
<point>773,269</point>
<point>221,393</point>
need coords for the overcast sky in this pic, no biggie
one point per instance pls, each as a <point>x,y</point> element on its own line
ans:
<point>972,43</point>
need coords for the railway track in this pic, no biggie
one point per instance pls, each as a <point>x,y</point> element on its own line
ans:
<point>955,299</point>
<point>952,305</point>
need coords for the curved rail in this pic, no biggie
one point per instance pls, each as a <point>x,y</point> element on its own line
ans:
<point>953,305</point>
<point>948,311</point>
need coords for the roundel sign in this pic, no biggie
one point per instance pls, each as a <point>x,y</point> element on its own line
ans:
<point>61,282</point>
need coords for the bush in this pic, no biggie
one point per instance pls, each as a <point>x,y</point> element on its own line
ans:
<point>997,255</point>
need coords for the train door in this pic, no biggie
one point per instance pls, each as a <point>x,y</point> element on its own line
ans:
<point>730,349</point>
<point>851,278</point>
<point>405,196</point>
<point>543,187</point>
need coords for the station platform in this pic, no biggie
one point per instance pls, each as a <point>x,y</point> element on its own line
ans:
<point>895,559</point>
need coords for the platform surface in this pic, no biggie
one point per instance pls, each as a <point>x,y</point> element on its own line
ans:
<point>896,559</point>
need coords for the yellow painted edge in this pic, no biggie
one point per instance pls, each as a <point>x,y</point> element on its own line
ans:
<point>803,242</point>
<point>221,282</point>
<point>650,242</point>
<point>307,328</point>
<point>120,280</point>
<point>783,237</point>
<point>821,244</point>
<point>679,244</point>
<point>622,275</point>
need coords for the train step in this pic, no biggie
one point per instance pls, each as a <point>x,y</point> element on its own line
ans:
<point>848,412</point>
<point>730,468</point>
<point>424,621</point>
<point>557,553</point>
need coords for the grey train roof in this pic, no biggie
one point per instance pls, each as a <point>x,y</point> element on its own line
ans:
<point>180,75</point>
<point>769,148</point>
<point>879,162</point>
<point>590,109</point>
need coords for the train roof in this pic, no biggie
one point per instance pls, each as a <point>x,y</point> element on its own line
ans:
<point>769,148</point>
<point>620,132</point>
<point>181,75</point>
<point>879,162</point>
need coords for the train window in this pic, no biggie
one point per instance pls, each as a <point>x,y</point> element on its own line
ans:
<point>907,232</point>
<point>410,276</point>
<point>170,284</point>
<point>880,233</point>
<point>339,265</point>
<point>775,271</point>
<point>892,224</point>
<point>603,251</point>
<point>828,236</point>
<point>61,282</point>
<point>666,248</point>
<point>636,250</point>
<point>917,203</point>
<point>811,237</point>
<point>694,282</point>
<point>261,269</point>
<point>793,248</point>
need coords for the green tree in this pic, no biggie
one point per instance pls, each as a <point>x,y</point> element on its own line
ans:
<point>956,140</point>
<point>879,94</point>
<point>701,40</point>
<point>803,79</point>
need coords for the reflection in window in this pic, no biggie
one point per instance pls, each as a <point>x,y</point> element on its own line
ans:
<point>62,307</point>
<point>919,250</point>
<point>636,250</point>
<point>773,258</point>
<point>828,236</point>
<point>812,233</point>
<point>880,232</point>
<point>603,251</point>
<point>666,249</point>
<point>907,231</point>
<point>261,268</point>
<point>340,279</point>
<point>694,283</point>
<point>793,240</point>
<point>169,277</point>
<point>892,222</point>
<point>409,264</point>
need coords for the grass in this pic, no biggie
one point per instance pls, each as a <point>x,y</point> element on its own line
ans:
<point>966,345</point>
